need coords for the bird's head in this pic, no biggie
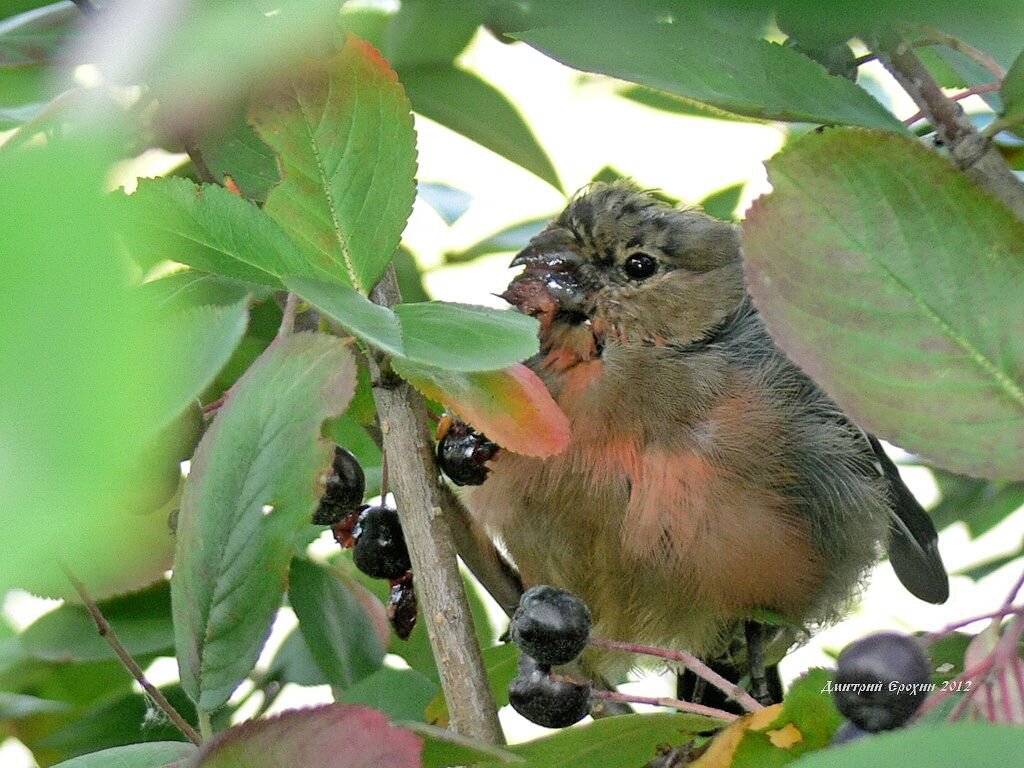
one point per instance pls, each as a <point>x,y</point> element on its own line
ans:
<point>631,266</point>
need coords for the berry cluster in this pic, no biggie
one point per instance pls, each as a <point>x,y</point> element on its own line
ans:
<point>374,534</point>
<point>551,626</point>
<point>881,681</point>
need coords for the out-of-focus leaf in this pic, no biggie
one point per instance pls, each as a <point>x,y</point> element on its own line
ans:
<point>949,745</point>
<point>211,229</point>
<point>401,694</point>
<point>426,32</point>
<point>990,566</point>
<point>142,622</point>
<point>328,736</point>
<point>158,754</point>
<point>407,272</point>
<point>14,7</point>
<point>677,105</point>
<point>460,100</point>
<point>511,406</point>
<point>903,307</point>
<point>512,238</point>
<point>294,663</point>
<point>722,204</point>
<point>449,202</point>
<point>343,133</point>
<point>190,288</point>
<point>457,337</point>
<point>614,742</point>
<point>15,706</point>
<point>692,58</point>
<point>345,640</point>
<point>252,487</point>
<point>37,37</point>
<point>442,748</point>
<point>83,382</point>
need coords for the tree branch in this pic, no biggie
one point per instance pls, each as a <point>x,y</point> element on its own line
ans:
<point>972,153</point>
<point>108,634</point>
<point>445,610</point>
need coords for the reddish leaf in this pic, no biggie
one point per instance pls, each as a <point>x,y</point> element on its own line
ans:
<point>511,406</point>
<point>330,736</point>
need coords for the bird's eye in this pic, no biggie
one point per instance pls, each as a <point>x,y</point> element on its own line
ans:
<point>640,266</point>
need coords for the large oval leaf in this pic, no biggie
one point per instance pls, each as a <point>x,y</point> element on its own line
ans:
<point>342,130</point>
<point>330,736</point>
<point>896,284</point>
<point>683,54</point>
<point>252,487</point>
<point>156,754</point>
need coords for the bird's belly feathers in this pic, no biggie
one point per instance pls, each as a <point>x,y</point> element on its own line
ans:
<point>661,547</point>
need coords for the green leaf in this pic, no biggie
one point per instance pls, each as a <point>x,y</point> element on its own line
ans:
<point>252,487</point>
<point>211,229</point>
<point>189,288</point>
<point>950,745</point>
<point>442,748</point>
<point>342,130</point>
<point>401,694</point>
<point>456,337</point>
<point>426,32</point>
<point>328,736</point>
<point>236,151</point>
<point>903,306</point>
<point>615,742</point>
<point>16,706</point>
<point>677,105</point>
<point>37,37</point>
<point>501,664</point>
<point>473,107</point>
<point>142,622</point>
<point>511,238</point>
<point>157,754</point>
<point>722,204</point>
<point>340,633</point>
<point>1012,91</point>
<point>692,58</point>
<point>204,339</point>
<point>449,202</point>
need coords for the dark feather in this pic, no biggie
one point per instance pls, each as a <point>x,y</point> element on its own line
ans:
<point>913,541</point>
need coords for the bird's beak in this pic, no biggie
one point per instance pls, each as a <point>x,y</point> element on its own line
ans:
<point>550,251</point>
<point>551,281</point>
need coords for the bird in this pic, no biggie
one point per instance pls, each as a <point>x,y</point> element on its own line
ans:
<point>708,481</point>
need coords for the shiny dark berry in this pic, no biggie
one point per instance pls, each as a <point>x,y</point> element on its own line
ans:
<point>343,491</point>
<point>402,607</point>
<point>462,453</point>
<point>544,701</point>
<point>551,625</point>
<point>881,680</point>
<point>380,549</point>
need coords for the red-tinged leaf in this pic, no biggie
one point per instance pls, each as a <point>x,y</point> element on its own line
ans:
<point>511,406</point>
<point>342,131</point>
<point>330,736</point>
<point>252,488</point>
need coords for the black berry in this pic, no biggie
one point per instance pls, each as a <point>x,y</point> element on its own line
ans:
<point>541,700</point>
<point>552,625</point>
<point>380,549</point>
<point>881,680</point>
<point>462,453</point>
<point>343,491</point>
<point>402,607</point>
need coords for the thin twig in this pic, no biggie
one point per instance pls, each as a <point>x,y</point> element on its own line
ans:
<point>108,634</point>
<point>691,662</point>
<point>975,91</point>
<point>974,154</point>
<point>657,701</point>
<point>196,154</point>
<point>86,7</point>
<point>408,443</point>
<point>938,37</point>
<point>287,326</point>
<point>961,623</point>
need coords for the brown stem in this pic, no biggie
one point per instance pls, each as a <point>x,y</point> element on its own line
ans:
<point>695,665</point>
<point>202,169</point>
<point>973,153</point>
<point>664,701</point>
<point>408,443</point>
<point>108,634</point>
<point>975,91</point>
<point>961,623</point>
